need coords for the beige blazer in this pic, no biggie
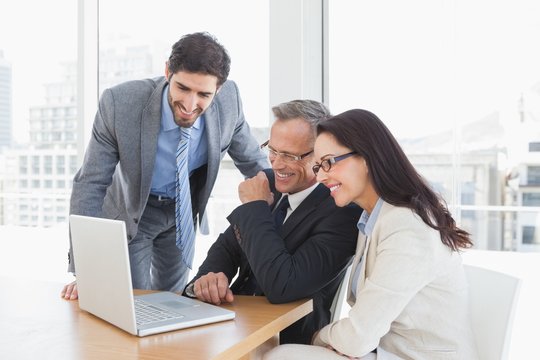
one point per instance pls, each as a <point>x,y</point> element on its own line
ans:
<point>411,295</point>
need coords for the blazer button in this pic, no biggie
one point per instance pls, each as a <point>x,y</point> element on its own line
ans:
<point>130,237</point>
<point>136,221</point>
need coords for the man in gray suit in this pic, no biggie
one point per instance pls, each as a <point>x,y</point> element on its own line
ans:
<point>129,169</point>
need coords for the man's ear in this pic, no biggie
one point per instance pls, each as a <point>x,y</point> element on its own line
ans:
<point>167,70</point>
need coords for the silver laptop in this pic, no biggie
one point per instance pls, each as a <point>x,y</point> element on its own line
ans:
<point>101,257</point>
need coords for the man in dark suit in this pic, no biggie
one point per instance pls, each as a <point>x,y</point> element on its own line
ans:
<point>303,257</point>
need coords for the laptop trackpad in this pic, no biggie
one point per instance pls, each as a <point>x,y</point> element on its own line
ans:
<point>177,305</point>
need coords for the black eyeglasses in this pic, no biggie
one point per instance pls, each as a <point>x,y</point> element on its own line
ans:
<point>272,154</point>
<point>326,164</point>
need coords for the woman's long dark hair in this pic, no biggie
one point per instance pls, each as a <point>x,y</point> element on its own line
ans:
<point>393,176</point>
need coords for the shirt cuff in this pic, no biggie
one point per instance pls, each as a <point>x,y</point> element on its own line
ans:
<point>189,291</point>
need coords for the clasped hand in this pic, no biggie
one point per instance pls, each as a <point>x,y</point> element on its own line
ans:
<point>213,288</point>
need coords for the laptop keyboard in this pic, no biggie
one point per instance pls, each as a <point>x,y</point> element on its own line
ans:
<point>147,313</point>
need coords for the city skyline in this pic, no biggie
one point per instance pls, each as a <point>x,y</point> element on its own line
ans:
<point>485,117</point>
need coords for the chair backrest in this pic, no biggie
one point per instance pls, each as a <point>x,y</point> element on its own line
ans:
<point>493,299</point>
<point>339,298</point>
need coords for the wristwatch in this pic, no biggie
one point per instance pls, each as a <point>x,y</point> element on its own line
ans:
<point>189,291</point>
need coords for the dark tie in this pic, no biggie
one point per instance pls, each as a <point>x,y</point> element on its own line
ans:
<point>280,212</point>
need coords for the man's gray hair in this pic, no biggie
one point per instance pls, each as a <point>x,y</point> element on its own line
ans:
<point>313,112</point>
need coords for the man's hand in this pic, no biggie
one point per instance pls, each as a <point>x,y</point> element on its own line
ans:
<point>69,292</point>
<point>256,188</point>
<point>213,288</point>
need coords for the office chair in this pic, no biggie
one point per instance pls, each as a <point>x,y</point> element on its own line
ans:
<point>492,302</point>
<point>339,298</point>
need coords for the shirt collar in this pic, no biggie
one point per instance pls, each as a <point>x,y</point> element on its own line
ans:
<point>296,199</point>
<point>367,221</point>
<point>167,119</point>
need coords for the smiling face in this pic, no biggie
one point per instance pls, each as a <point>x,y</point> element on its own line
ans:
<point>190,94</point>
<point>294,137</point>
<point>347,179</point>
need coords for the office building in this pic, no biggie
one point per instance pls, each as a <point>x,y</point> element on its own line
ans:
<point>526,177</point>
<point>127,58</point>
<point>38,176</point>
<point>528,195</point>
<point>6,90</point>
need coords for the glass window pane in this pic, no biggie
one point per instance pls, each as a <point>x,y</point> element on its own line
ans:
<point>463,100</point>
<point>38,53</point>
<point>529,235</point>
<point>533,175</point>
<point>130,51</point>
<point>531,199</point>
<point>534,146</point>
<point>487,228</point>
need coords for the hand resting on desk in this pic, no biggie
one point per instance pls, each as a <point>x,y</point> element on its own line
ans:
<point>213,288</point>
<point>69,292</point>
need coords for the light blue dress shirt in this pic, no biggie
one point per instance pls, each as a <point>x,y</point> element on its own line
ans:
<point>365,226</point>
<point>164,174</point>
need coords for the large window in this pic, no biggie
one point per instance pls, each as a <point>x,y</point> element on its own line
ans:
<point>41,135</point>
<point>458,83</point>
<point>38,53</point>
<point>128,51</point>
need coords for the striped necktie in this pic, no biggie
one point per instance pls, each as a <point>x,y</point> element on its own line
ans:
<point>185,231</point>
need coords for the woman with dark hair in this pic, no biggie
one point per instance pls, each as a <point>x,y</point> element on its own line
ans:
<point>407,290</point>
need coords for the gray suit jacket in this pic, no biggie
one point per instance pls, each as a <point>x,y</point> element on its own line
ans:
<point>115,178</point>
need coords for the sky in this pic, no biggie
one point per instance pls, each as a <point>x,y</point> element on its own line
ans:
<point>36,42</point>
<point>419,70</point>
<point>418,73</point>
<point>34,36</point>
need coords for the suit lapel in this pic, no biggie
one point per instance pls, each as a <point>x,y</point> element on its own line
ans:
<point>363,247</point>
<point>319,194</point>
<point>360,252</point>
<point>150,125</point>
<point>213,136</point>
<point>364,263</point>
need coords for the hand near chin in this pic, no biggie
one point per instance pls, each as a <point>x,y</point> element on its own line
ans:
<point>256,188</point>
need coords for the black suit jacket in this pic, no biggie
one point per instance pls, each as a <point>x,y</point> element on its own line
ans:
<point>306,259</point>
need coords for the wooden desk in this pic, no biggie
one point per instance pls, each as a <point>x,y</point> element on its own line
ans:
<point>35,323</point>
